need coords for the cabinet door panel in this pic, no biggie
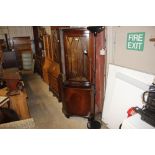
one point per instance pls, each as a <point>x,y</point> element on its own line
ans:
<point>77,58</point>
<point>77,101</point>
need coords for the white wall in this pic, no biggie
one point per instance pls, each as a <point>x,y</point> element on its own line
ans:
<point>118,54</point>
<point>16,31</point>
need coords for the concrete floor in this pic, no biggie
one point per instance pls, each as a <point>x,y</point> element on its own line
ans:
<point>45,108</point>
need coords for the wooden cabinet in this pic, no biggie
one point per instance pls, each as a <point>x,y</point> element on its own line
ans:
<point>54,68</point>
<point>78,72</point>
<point>53,74</point>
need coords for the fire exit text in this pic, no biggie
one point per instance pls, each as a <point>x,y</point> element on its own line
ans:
<point>135,41</point>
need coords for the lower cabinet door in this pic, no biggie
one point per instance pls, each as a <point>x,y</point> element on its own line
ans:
<point>76,101</point>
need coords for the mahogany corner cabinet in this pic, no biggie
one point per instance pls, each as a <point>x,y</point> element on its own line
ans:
<point>77,67</point>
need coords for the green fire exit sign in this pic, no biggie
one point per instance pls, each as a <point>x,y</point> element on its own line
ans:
<point>135,41</point>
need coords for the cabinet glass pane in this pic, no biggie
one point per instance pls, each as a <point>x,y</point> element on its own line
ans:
<point>77,65</point>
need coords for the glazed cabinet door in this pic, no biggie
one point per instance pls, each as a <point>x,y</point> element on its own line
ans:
<point>77,55</point>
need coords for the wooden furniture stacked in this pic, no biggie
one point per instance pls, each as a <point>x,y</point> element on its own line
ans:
<point>54,68</point>
<point>47,57</point>
<point>77,70</point>
<point>21,45</point>
<point>38,33</point>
